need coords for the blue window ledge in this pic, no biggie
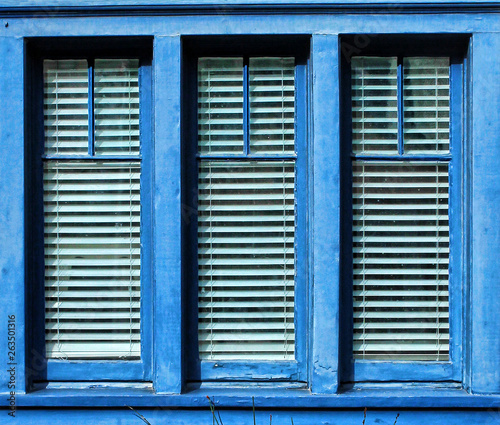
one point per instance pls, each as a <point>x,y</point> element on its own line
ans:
<point>388,396</point>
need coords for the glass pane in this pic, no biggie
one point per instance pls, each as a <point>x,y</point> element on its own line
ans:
<point>220,105</point>
<point>65,99</point>
<point>374,93</point>
<point>426,105</point>
<point>246,260</point>
<point>92,260</point>
<point>401,257</point>
<point>272,105</point>
<point>116,102</point>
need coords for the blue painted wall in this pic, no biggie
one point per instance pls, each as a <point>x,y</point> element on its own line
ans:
<point>237,417</point>
<point>479,403</point>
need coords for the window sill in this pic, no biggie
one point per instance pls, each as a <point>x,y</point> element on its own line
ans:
<point>265,396</point>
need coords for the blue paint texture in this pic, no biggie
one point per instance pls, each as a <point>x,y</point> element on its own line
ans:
<point>168,398</point>
<point>325,213</point>
<point>167,215</point>
<point>485,213</point>
<point>12,265</point>
<point>161,416</point>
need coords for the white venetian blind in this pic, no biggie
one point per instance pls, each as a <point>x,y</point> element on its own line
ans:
<point>116,101</point>
<point>401,256</point>
<point>374,97</point>
<point>426,105</point>
<point>92,259</point>
<point>220,105</point>
<point>272,105</point>
<point>246,225</point>
<point>92,224</point>
<point>246,211</point>
<point>66,107</point>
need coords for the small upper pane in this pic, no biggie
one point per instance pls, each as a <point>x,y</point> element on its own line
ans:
<point>220,105</point>
<point>426,105</point>
<point>374,91</point>
<point>272,105</point>
<point>116,102</point>
<point>65,103</point>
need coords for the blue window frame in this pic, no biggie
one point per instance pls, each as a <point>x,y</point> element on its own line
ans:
<point>474,172</point>
<point>191,368</point>
<point>389,367</point>
<point>138,53</point>
<point>246,49</point>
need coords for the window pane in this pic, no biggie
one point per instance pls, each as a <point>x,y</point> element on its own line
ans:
<point>92,259</point>
<point>401,258</point>
<point>374,99</point>
<point>116,102</point>
<point>66,107</point>
<point>426,105</point>
<point>246,260</point>
<point>272,105</point>
<point>220,105</point>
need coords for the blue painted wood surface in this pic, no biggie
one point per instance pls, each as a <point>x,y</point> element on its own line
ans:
<point>368,23</point>
<point>111,7</point>
<point>161,416</point>
<point>325,214</point>
<point>12,189</point>
<point>485,214</point>
<point>167,216</point>
<point>390,395</point>
<point>481,149</point>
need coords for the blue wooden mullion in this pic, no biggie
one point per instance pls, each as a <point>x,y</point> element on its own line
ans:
<point>246,108</point>
<point>92,157</point>
<point>325,215</point>
<point>247,157</point>
<point>168,307</point>
<point>400,107</point>
<point>401,158</point>
<point>91,109</point>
